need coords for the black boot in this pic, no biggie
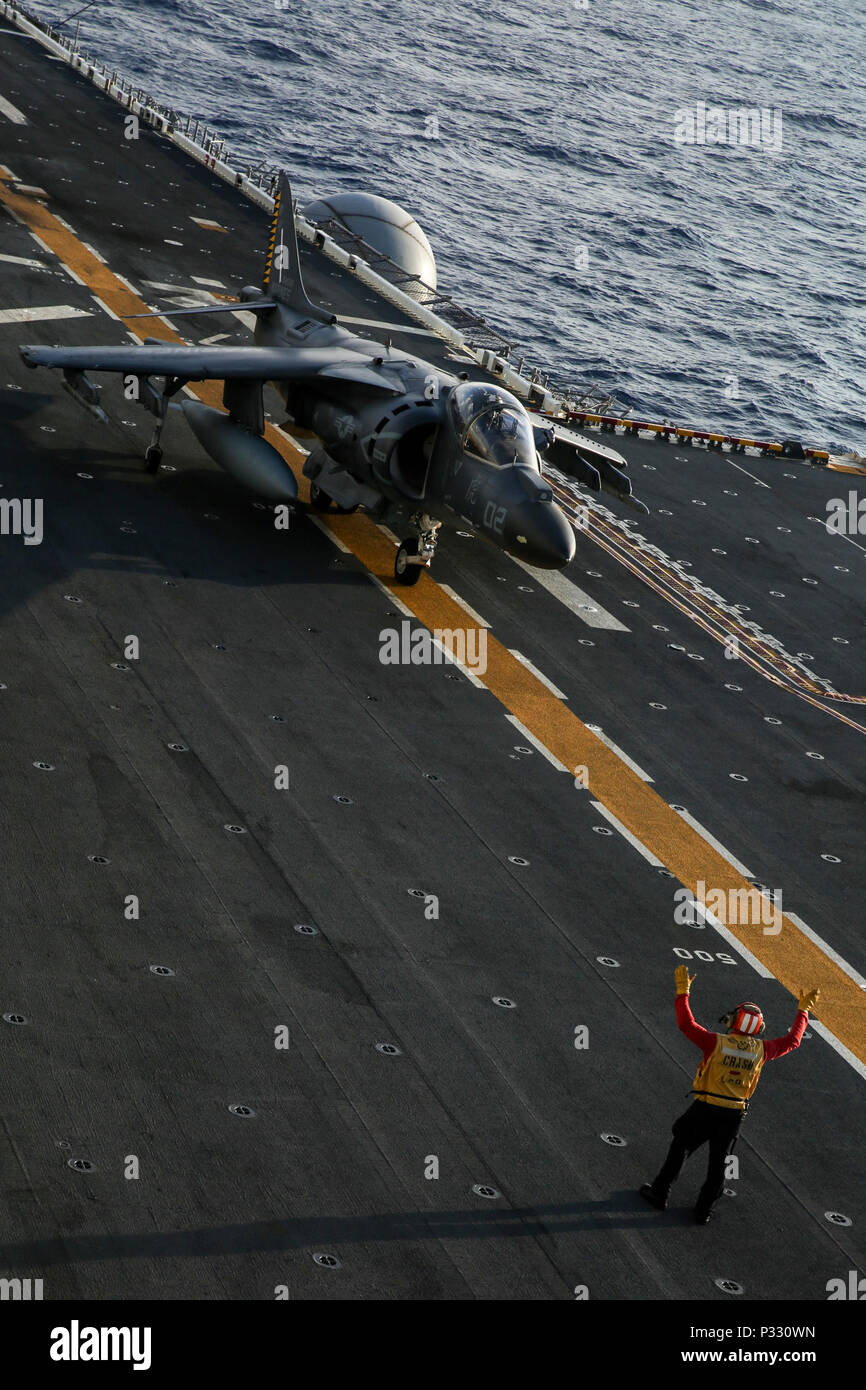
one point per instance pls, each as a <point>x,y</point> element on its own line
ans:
<point>656,1199</point>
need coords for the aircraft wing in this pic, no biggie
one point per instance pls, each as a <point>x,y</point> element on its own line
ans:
<point>596,465</point>
<point>217,363</point>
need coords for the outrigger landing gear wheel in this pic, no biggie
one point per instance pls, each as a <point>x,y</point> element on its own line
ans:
<point>153,458</point>
<point>403,570</point>
<point>319,500</point>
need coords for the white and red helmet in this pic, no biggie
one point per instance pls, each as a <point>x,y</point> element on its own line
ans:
<point>746,1019</point>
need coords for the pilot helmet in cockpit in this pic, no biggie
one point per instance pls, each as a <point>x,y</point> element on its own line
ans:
<point>492,424</point>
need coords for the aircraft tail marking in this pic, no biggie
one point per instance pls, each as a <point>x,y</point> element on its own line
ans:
<point>283,280</point>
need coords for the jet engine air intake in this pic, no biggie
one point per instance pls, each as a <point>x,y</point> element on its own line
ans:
<point>401,446</point>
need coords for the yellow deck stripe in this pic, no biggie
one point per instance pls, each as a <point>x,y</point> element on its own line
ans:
<point>117,296</point>
<point>793,959</point>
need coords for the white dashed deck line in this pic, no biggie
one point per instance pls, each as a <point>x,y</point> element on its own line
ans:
<point>335,540</point>
<point>72,275</point>
<point>201,280</point>
<point>627,835</point>
<point>25,261</point>
<point>12,113</point>
<point>244,316</point>
<point>470,676</point>
<point>44,314</point>
<point>54,258</point>
<point>582,605</point>
<point>539,675</point>
<point>536,743</point>
<point>110,312</point>
<point>393,327</point>
<point>452,593</point>
<point>123,280</point>
<point>735,944</point>
<point>716,844</point>
<point>451,660</point>
<point>837,1046</point>
<point>194,298</point>
<point>295,443</point>
<point>386,531</point>
<point>623,757</point>
<point>852,542</point>
<point>391,597</point>
<point>828,950</point>
<point>759,481</point>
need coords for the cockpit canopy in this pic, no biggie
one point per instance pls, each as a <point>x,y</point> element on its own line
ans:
<point>492,423</point>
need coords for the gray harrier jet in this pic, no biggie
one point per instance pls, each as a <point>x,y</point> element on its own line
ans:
<point>396,435</point>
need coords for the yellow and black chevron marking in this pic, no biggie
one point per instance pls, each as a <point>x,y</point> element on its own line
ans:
<point>273,240</point>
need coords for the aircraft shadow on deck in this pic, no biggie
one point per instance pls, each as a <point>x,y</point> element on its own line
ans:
<point>247,551</point>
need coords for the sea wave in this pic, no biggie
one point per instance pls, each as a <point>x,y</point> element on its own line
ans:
<point>556,130</point>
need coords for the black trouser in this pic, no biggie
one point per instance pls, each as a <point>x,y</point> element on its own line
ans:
<point>702,1122</point>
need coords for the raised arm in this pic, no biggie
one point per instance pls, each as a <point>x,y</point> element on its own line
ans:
<point>777,1047</point>
<point>701,1037</point>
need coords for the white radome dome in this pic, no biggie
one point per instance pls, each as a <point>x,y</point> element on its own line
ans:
<point>384,226</point>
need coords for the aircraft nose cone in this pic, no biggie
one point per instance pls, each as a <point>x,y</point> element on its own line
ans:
<point>548,536</point>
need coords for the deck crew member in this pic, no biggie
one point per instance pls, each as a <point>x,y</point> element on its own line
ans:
<point>723,1086</point>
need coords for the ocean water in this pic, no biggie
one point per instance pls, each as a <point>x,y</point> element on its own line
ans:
<point>707,283</point>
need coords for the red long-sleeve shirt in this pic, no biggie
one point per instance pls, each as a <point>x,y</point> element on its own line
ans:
<point>706,1041</point>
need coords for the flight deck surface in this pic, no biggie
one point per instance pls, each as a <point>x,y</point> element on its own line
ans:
<point>473,904</point>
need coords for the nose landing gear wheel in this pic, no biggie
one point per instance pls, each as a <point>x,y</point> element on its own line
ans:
<point>153,458</point>
<point>406,573</point>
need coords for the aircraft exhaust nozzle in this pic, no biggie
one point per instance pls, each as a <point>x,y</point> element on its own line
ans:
<point>249,459</point>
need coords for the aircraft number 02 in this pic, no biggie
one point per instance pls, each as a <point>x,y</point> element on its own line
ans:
<point>494,517</point>
<point>704,955</point>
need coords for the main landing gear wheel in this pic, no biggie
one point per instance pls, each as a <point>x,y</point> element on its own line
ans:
<point>153,458</point>
<point>319,500</point>
<point>403,570</point>
<point>347,511</point>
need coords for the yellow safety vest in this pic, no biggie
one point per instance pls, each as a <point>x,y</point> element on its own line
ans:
<point>730,1074</point>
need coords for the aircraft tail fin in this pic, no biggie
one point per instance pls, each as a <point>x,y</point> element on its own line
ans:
<point>283,280</point>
